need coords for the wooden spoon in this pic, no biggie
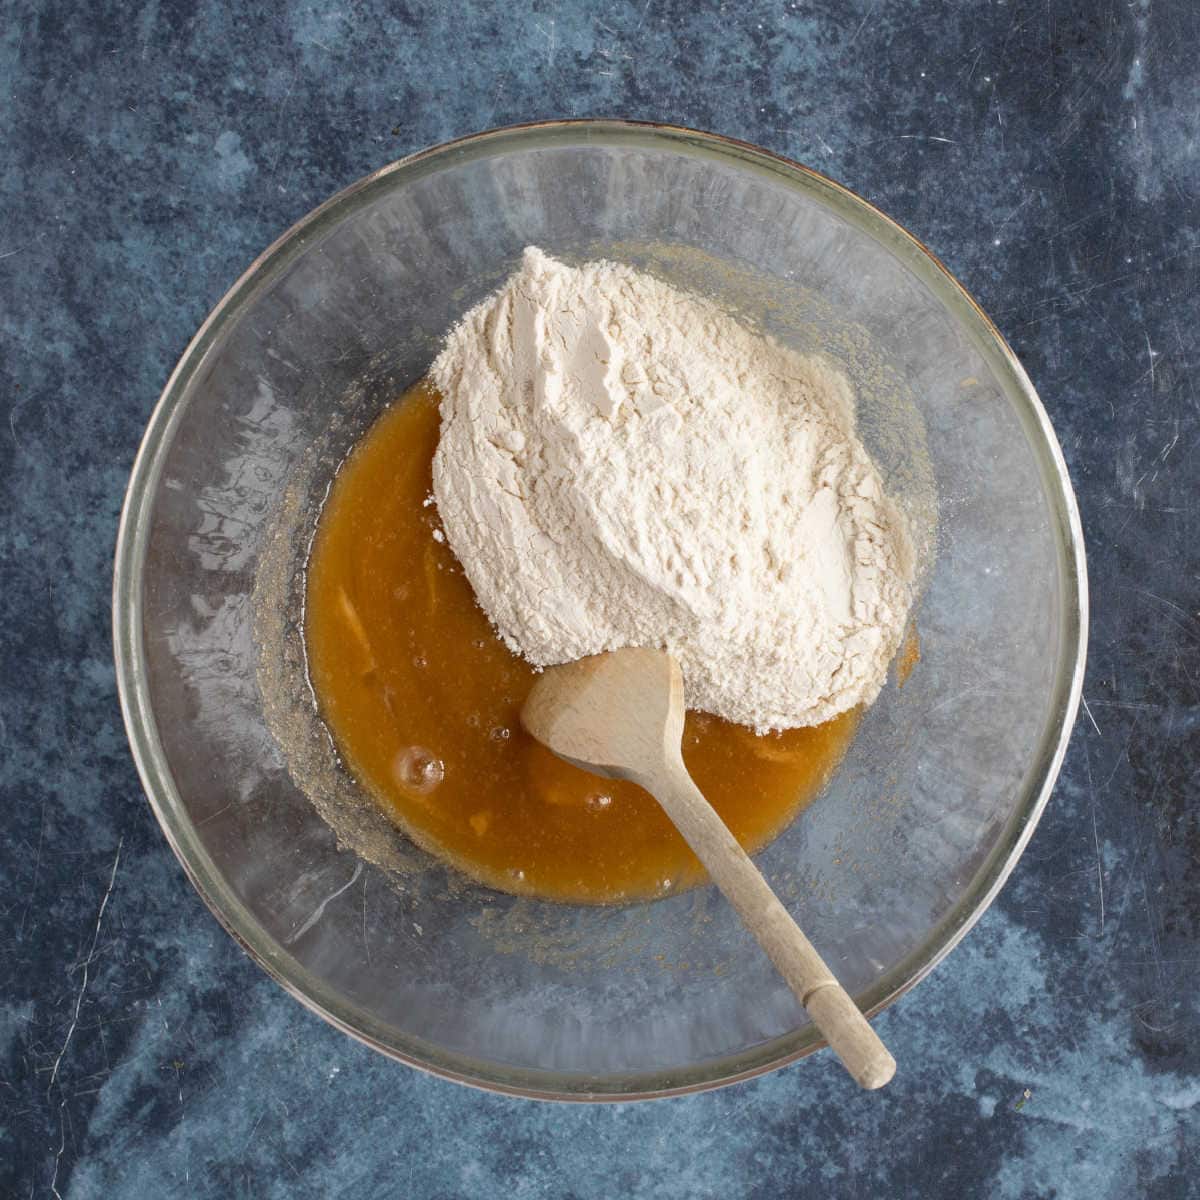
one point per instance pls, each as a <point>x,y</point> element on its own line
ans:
<point>621,715</point>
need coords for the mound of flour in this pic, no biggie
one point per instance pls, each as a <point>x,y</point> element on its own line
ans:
<point>624,464</point>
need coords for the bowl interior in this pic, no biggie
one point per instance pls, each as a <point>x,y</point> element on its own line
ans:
<point>889,865</point>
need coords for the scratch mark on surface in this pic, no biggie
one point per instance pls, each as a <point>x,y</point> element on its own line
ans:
<point>1183,612</point>
<point>87,962</point>
<point>1142,1020</point>
<point>62,1145</point>
<point>551,36</point>
<point>1087,710</point>
<point>37,865</point>
<point>971,691</point>
<point>319,911</point>
<point>1123,756</point>
<point>12,422</point>
<point>862,26</point>
<point>1096,837</point>
<point>366,943</point>
<point>254,1130</point>
<point>1014,212</point>
<point>280,118</point>
<point>1151,925</point>
<point>801,134</point>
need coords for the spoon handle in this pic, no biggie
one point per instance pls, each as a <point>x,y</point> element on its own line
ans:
<point>829,1005</point>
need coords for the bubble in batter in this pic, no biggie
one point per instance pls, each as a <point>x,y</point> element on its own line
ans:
<point>419,770</point>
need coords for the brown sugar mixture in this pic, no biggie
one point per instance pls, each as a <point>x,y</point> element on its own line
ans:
<point>423,701</point>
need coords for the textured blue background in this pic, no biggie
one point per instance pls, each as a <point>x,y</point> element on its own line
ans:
<point>1047,150</point>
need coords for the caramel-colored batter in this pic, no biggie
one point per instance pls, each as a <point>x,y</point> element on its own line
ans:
<point>423,701</point>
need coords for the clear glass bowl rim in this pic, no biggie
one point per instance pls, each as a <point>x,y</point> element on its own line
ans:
<point>131,552</point>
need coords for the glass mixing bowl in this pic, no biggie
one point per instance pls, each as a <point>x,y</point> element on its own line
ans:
<point>885,871</point>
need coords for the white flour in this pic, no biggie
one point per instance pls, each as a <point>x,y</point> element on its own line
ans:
<point>624,464</point>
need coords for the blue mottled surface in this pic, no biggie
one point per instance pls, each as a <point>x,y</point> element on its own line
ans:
<point>1049,151</point>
